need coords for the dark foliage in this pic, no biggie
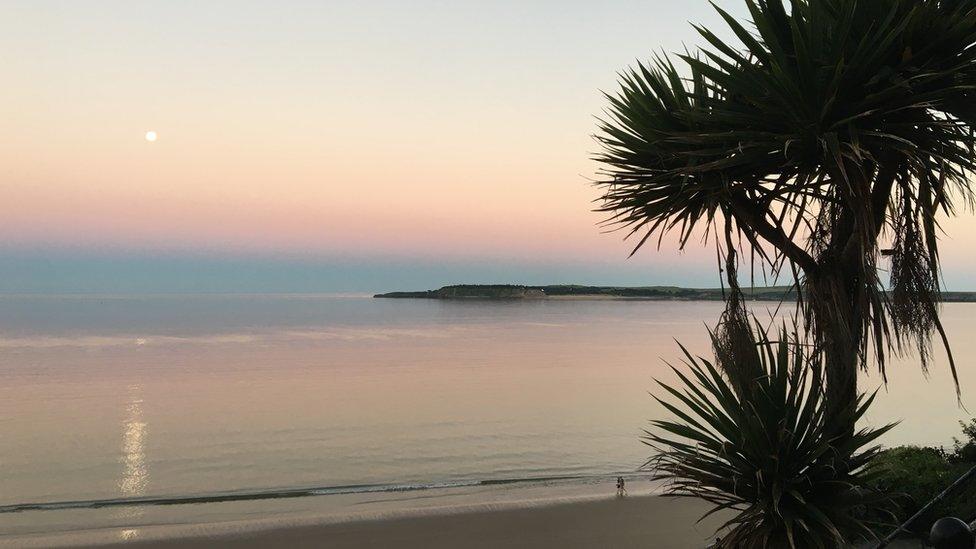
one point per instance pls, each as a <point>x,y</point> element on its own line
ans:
<point>917,474</point>
<point>834,132</point>
<point>763,451</point>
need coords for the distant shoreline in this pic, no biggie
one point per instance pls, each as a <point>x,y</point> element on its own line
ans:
<point>633,293</point>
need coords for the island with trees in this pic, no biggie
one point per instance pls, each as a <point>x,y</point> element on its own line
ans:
<point>577,291</point>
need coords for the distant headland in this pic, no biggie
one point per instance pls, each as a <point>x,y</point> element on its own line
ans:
<point>574,291</point>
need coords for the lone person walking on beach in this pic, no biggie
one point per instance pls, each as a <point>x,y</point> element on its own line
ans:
<point>621,490</point>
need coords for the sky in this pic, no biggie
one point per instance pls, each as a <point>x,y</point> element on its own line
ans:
<point>326,146</point>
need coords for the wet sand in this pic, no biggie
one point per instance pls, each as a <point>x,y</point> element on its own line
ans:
<point>645,521</point>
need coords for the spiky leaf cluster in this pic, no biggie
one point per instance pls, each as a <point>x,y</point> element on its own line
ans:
<point>764,454</point>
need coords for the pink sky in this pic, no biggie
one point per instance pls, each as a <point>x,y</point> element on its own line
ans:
<point>453,130</point>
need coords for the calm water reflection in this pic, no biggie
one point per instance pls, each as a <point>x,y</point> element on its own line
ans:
<point>135,473</point>
<point>134,480</point>
<point>259,392</point>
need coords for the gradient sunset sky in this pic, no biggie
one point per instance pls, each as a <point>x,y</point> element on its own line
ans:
<point>325,146</point>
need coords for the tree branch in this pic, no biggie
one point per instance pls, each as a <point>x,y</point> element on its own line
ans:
<point>748,214</point>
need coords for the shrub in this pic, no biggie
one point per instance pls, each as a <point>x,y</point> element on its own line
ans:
<point>965,450</point>
<point>762,451</point>
<point>914,475</point>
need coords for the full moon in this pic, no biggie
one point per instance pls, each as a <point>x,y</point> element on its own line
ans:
<point>150,136</point>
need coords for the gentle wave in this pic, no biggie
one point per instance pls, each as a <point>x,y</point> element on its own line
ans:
<point>334,334</point>
<point>219,497</point>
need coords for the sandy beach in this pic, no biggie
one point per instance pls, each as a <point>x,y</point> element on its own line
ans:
<point>645,521</point>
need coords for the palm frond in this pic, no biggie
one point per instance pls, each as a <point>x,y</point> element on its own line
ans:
<point>826,131</point>
<point>764,453</point>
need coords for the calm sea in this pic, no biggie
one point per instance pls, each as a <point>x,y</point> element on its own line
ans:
<point>110,401</point>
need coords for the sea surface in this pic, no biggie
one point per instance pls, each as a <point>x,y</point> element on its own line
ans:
<point>120,414</point>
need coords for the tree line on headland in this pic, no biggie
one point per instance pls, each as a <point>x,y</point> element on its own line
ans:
<point>663,293</point>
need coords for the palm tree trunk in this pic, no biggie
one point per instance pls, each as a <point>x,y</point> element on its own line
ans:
<point>838,290</point>
<point>841,367</point>
<point>838,326</point>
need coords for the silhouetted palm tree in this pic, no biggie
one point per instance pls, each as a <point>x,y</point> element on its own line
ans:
<point>834,133</point>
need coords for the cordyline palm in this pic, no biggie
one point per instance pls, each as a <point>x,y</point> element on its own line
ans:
<point>833,132</point>
<point>762,453</point>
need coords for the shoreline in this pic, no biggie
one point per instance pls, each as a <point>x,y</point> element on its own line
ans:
<point>376,519</point>
<point>633,521</point>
